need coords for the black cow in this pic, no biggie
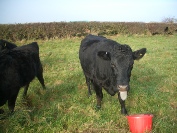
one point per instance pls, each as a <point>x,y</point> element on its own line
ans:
<point>108,64</point>
<point>6,45</point>
<point>18,67</point>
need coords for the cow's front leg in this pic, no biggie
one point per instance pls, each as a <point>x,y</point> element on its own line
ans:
<point>122,103</point>
<point>99,95</point>
<point>1,111</point>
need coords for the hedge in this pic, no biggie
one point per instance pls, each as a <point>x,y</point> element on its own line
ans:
<point>52,30</point>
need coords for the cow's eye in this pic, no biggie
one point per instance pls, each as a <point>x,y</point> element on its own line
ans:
<point>112,65</point>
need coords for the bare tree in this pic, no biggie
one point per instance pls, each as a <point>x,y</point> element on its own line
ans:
<point>169,20</point>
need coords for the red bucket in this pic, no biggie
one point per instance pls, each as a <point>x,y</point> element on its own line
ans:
<point>140,123</point>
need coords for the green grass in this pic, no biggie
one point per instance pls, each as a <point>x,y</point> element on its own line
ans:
<point>65,106</point>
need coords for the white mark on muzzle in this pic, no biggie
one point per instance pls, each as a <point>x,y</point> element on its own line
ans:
<point>123,95</point>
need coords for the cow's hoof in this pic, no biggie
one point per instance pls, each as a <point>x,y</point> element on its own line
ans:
<point>89,95</point>
<point>97,107</point>
<point>44,87</point>
<point>124,112</point>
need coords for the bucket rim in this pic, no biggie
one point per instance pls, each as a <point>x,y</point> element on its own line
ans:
<point>140,115</point>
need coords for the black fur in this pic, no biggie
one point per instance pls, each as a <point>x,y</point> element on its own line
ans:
<point>107,64</point>
<point>6,45</point>
<point>18,67</point>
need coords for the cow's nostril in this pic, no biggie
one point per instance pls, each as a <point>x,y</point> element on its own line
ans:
<point>122,87</point>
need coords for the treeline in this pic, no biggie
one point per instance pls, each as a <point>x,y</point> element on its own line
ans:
<point>54,30</point>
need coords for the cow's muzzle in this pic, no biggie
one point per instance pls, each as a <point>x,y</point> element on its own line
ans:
<point>123,91</point>
<point>122,87</point>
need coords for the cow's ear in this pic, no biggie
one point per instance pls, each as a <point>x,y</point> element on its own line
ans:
<point>104,55</point>
<point>139,54</point>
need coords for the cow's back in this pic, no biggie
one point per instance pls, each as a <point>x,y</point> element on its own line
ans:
<point>31,50</point>
<point>90,40</point>
<point>93,43</point>
<point>33,47</point>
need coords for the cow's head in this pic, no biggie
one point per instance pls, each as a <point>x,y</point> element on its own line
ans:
<point>121,63</point>
<point>6,45</point>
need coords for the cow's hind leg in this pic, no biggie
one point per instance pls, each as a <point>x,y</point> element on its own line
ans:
<point>12,99</point>
<point>40,76</point>
<point>88,82</point>
<point>122,103</point>
<point>25,90</point>
<point>99,95</point>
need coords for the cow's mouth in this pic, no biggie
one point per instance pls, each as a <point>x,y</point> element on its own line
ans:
<point>123,95</point>
<point>123,91</point>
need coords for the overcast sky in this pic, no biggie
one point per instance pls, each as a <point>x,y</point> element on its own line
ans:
<point>27,11</point>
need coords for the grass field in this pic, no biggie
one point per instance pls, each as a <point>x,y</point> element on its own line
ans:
<point>65,107</point>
